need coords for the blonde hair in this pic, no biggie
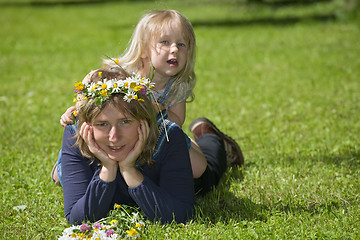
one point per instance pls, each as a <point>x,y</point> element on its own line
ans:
<point>135,109</point>
<point>149,27</point>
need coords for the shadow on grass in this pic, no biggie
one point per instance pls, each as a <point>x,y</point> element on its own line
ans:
<point>65,2</point>
<point>221,205</point>
<point>350,158</point>
<point>284,3</point>
<point>331,205</point>
<point>263,21</point>
<point>346,156</point>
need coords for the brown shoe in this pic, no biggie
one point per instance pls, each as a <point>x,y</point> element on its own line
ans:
<point>201,126</point>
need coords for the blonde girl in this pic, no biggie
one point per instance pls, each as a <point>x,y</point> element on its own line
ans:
<point>165,40</point>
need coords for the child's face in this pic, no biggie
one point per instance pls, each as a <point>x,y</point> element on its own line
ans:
<point>169,53</point>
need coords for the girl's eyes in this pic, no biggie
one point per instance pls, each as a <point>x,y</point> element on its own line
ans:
<point>181,45</point>
<point>101,124</point>
<point>104,124</point>
<point>126,121</point>
<point>167,43</point>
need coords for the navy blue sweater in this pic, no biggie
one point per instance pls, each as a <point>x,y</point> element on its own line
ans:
<point>166,194</point>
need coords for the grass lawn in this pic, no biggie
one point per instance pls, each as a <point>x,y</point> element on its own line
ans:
<point>282,80</point>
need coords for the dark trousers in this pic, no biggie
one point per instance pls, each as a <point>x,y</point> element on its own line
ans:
<point>214,151</point>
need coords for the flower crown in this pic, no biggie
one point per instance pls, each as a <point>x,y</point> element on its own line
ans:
<point>133,88</point>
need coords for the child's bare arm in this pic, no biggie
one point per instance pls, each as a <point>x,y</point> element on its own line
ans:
<point>177,112</point>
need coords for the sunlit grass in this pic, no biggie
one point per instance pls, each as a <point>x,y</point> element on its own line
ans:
<point>283,82</point>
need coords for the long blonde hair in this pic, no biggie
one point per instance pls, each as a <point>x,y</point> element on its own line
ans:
<point>149,27</point>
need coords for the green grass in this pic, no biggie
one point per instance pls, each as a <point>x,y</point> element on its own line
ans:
<point>283,81</point>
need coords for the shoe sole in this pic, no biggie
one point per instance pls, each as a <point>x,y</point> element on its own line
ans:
<point>227,139</point>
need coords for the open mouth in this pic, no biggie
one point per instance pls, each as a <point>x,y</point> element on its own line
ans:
<point>115,148</point>
<point>173,62</point>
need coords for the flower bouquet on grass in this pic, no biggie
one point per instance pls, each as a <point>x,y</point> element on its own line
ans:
<point>124,222</point>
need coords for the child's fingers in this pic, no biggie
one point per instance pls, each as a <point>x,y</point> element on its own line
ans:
<point>62,122</point>
<point>67,117</point>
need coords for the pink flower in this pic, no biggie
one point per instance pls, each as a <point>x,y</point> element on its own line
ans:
<point>142,90</point>
<point>85,227</point>
<point>97,225</point>
<point>109,232</point>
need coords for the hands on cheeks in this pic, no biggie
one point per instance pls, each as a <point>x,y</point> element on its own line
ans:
<point>87,133</point>
<point>128,165</point>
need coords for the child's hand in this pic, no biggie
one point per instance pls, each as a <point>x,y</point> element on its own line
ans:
<point>67,117</point>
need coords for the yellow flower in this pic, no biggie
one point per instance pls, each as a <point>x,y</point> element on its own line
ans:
<point>104,86</point>
<point>116,61</point>
<point>141,100</point>
<point>75,113</point>
<point>79,86</point>
<point>136,97</point>
<point>138,88</point>
<point>100,74</point>
<point>126,84</point>
<point>75,100</point>
<point>133,85</point>
<point>132,232</point>
<point>81,235</point>
<point>113,221</point>
<point>117,206</point>
<point>139,226</point>
<point>103,93</point>
<point>115,85</point>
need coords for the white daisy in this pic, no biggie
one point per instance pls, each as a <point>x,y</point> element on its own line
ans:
<point>130,95</point>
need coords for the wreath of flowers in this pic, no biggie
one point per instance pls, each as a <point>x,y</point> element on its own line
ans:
<point>133,88</point>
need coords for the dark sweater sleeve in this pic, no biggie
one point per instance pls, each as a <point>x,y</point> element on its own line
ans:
<point>86,196</point>
<point>172,197</point>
